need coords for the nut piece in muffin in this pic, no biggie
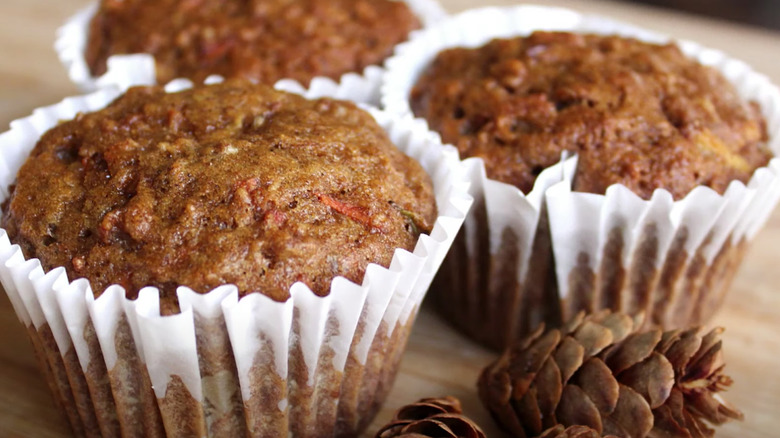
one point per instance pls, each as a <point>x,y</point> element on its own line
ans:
<point>638,114</point>
<point>231,183</point>
<point>263,40</point>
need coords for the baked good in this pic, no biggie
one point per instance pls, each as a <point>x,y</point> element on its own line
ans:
<point>263,40</point>
<point>227,184</point>
<point>638,114</point>
<point>668,177</point>
<point>224,169</point>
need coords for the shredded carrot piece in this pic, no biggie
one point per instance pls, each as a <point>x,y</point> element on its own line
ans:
<point>357,214</point>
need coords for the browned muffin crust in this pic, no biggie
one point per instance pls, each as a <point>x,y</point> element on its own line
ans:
<point>226,184</point>
<point>264,40</point>
<point>638,114</point>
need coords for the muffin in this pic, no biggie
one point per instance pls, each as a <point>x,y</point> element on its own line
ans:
<point>638,114</point>
<point>614,169</point>
<point>204,251</point>
<point>136,42</point>
<point>259,188</point>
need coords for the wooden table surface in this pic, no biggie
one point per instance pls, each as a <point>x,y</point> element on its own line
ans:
<point>438,362</point>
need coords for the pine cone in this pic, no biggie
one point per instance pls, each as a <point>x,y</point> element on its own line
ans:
<point>431,417</point>
<point>572,432</point>
<point>600,372</point>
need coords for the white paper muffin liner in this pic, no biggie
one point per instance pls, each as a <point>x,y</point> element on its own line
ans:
<point>139,69</point>
<point>671,259</point>
<point>224,366</point>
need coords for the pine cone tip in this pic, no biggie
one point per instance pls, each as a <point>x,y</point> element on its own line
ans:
<point>431,417</point>
<point>560,431</point>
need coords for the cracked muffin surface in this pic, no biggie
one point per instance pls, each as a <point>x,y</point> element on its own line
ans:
<point>231,183</point>
<point>638,114</point>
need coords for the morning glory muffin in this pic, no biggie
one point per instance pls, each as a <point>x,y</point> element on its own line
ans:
<point>232,236</point>
<point>652,207</point>
<point>262,40</point>
<point>226,184</point>
<point>639,114</point>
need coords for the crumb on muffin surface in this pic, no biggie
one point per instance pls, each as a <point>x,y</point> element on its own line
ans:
<point>231,183</point>
<point>636,113</point>
<point>264,40</point>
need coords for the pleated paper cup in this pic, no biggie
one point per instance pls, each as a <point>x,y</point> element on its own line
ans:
<point>139,69</point>
<point>307,367</point>
<point>522,259</point>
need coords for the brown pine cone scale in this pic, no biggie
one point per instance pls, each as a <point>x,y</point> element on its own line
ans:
<point>599,372</point>
<point>431,417</point>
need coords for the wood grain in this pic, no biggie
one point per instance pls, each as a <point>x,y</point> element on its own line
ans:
<point>438,361</point>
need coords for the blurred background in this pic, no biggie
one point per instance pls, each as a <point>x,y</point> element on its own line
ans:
<point>765,13</point>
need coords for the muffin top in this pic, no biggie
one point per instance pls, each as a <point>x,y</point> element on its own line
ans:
<point>638,114</point>
<point>225,184</point>
<point>263,40</point>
